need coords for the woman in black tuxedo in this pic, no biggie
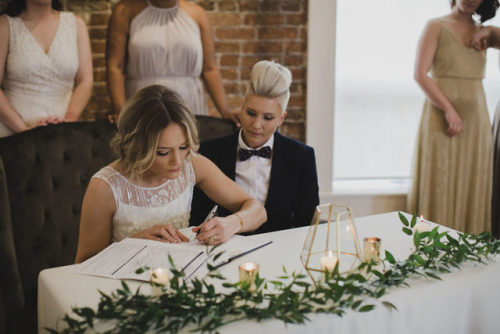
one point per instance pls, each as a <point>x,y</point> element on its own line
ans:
<point>278,171</point>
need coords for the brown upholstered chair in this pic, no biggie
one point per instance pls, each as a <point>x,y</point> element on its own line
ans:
<point>46,171</point>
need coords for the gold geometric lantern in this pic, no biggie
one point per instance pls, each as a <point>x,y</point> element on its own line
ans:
<point>332,240</point>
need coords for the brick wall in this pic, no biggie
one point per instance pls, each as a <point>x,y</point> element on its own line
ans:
<point>245,31</point>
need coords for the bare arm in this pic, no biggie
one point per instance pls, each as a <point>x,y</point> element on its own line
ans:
<point>84,76</point>
<point>116,48</point>
<point>227,193</point>
<point>425,56</point>
<point>211,74</point>
<point>486,37</point>
<point>98,208</point>
<point>8,115</point>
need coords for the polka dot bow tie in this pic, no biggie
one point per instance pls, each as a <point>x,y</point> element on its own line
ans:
<point>264,152</point>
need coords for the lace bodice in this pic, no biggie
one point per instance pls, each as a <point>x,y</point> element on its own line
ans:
<point>139,208</point>
<point>165,48</point>
<point>40,84</point>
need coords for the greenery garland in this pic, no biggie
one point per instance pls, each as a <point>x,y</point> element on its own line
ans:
<point>196,305</point>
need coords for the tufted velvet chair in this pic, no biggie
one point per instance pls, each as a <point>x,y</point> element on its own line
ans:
<point>43,179</point>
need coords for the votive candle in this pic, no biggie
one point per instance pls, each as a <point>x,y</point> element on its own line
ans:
<point>371,249</point>
<point>329,262</point>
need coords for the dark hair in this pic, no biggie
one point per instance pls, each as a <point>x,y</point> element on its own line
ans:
<point>16,7</point>
<point>486,10</point>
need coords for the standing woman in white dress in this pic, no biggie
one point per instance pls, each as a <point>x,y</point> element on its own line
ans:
<point>147,192</point>
<point>166,42</point>
<point>45,65</point>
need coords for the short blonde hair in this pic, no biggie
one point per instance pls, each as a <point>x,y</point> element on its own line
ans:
<point>271,80</point>
<point>145,115</point>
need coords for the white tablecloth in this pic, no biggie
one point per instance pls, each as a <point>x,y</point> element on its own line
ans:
<point>466,301</point>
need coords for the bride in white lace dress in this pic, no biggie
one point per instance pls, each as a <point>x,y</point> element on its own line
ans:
<point>45,66</point>
<point>147,192</point>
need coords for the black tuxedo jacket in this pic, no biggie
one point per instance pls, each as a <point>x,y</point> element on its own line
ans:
<point>293,186</point>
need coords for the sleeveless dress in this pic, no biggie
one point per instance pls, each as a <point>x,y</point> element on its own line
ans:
<point>165,48</point>
<point>139,208</point>
<point>453,175</point>
<point>39,84</point>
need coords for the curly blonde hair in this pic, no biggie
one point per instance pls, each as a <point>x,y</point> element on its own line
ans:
<point>145,115</point>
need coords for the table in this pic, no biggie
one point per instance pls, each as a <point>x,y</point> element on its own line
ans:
<point>466,301</point>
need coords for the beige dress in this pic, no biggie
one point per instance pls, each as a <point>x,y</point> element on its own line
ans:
<point>453,175</point>
<point>165,48</point>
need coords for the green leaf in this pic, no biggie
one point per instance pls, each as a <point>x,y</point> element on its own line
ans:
<point>432,275</point>
<point>366,308</point>
<point>407,230</point>
<point>389,257</point>
<point>420,260</point>
<point>416,239</point>
<point>389,305</point>
<point>413,220</point>
<point>403,219</point>
<point>125,286</point>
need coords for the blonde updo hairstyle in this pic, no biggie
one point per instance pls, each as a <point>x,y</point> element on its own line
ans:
<point>271,80</point>
<point>145,115</point>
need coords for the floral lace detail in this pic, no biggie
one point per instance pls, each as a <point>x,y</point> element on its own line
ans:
<point>139,208</point>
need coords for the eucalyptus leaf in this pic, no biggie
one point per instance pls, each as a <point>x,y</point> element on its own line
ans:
<point>403,219</point>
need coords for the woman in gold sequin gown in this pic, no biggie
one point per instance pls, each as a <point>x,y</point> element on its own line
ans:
<point>454,156</point>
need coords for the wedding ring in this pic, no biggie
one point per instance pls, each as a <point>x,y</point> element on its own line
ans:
<point>214,238</point>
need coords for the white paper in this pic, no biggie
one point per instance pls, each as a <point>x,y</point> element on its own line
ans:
<point>120,260</point>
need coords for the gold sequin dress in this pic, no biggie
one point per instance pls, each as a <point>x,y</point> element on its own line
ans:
<point>453,175</point>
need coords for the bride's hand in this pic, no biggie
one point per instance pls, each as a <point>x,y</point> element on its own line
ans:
<point>218,229</point>
<point>162,233</point>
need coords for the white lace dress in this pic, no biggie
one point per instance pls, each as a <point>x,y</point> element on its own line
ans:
<point>139,208</point>
<point>40,84</point>
<point>165,48</point>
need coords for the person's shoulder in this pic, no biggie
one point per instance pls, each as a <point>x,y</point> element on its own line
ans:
<point>80,23</point>
<point>4,23</point>
<point>434,24</point>
<point>196,11</point>
<point>128,8</point>
<point>293,143</point>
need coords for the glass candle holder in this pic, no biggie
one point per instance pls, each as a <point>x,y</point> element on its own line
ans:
<point>248,271</point>
<point>371,249</point>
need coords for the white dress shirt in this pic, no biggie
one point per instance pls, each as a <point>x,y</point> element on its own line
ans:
<point>254,174</point>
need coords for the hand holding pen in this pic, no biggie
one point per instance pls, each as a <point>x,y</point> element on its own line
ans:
<point>216,230</point>
<point>210,215</point>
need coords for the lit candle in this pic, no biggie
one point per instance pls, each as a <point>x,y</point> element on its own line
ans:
<point>248,271</point>
<point>422,226</point>
<point>371,249</point>
<point>329,262</point>
<point>160,279</point>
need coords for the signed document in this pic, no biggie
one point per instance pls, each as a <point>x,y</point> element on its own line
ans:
<point>120,260</point>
